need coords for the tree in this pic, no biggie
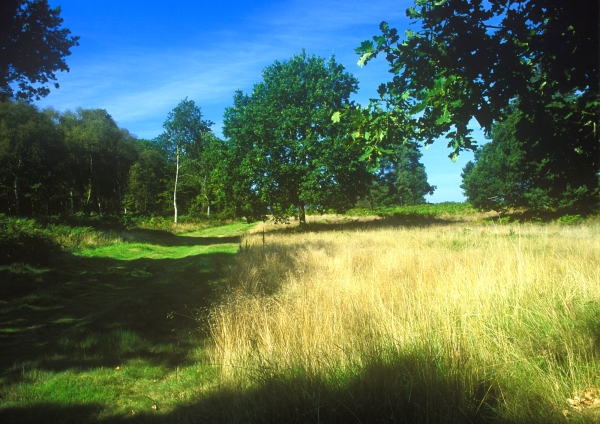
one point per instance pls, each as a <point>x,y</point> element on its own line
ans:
<point>99,156</point>
<point>411,178</point>
<point>497,178</point>
<point>30,148</point>
<point>185,137</point>
<point>290,154</point>
<point>401,179</point>
<point>32,48</point>
<point>146,177</point>
<point>471,59</point>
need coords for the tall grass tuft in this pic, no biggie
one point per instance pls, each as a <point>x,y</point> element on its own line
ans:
<point>438,324</point>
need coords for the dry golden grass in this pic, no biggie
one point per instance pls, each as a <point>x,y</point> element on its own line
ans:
<point>437,324</point>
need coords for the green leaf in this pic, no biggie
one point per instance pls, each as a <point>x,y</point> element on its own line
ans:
<point>445,118</point>
<point>419,107</point>
<point>367,154</point>
<point>412,13</point>
<point>439,84</point>
<point>365,47</point>
<point>363,59</point>
<point>336,117</point>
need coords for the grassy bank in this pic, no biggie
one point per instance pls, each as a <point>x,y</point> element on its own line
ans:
<point>454,323</point>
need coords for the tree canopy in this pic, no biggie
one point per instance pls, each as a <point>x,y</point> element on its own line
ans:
<point>186,138</point>
<point>290,154</point>
<point>69,162</point>
<point>401,179</point>
<point>473,59</point>
<point>33,46</point>
<point>499,177</point>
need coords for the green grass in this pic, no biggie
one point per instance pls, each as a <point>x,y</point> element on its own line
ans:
<point>110,328</point>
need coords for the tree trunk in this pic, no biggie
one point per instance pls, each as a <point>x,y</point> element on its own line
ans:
<point>17,194</point>
<point>206,197</point>
<point>98,198</point>
<point>91,176</point>
<point>176,178</point>
<point>301,215</point>
<point>121,203</point>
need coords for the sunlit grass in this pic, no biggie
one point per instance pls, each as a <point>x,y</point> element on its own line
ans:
<point>234,229</point>
<point>132,251</point>
<point>447,323</point>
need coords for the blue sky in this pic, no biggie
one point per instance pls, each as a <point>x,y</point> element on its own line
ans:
<point>139,59</point>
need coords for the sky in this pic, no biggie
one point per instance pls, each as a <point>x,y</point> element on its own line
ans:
<point>138,59</point>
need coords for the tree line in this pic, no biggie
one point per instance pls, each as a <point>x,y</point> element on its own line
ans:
<point>525,70</point>
<point>282,156</point>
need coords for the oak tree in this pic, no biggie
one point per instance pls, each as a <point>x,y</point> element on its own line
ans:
<point>291,156</point>
<point>33,46</point>
<point>470,59</point>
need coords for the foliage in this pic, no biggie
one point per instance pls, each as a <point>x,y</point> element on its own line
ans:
<point>146,183</point>
<point>186,139</point>
<point>287,154</point>
<point>470,60</point>
<point>498,179</point>
<point>99,157</point>
<point>400,180</point>
<point>74,162</point>
<point>411,179</point>
<point>31,153</point>
<point>32,48</point>
<point>509,173</point>
<point>21,240</point>
<point>421,211</point>
<point>570,219</point>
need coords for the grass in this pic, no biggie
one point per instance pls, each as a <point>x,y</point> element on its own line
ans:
<point>107,330</point>
<point>351,319</point>
<point>447,323</point>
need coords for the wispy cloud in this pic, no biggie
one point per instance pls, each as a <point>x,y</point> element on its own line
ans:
<point>138,86</point>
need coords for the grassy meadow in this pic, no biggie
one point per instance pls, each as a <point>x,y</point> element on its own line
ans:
<point>400,318</point>
<point>442,323</point>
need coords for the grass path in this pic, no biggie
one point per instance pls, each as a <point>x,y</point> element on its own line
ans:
<point>111,332</point>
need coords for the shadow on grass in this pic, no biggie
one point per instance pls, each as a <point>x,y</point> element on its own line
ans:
<point>357,224</point>
<point>43,412</point>
<point>165,238</point>
<point>82,313</point>
<point>405,390</point>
